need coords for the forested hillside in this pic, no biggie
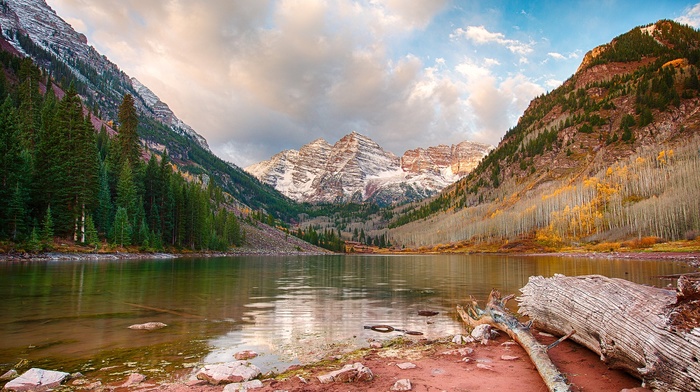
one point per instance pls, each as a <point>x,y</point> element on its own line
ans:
<point>611,154</point>
<point>62,180</point>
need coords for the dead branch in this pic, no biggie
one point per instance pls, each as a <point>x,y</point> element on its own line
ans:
<point>496,315</point>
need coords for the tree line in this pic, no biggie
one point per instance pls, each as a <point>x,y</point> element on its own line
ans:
<point>60,179</point>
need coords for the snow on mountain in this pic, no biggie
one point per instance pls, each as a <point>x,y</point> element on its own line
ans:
<point>46,29</point>
<point>357,169</point>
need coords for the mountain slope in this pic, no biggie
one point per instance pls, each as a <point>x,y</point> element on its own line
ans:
<point>357,169</point>
<point>610,154</point>
<point>35,30</point>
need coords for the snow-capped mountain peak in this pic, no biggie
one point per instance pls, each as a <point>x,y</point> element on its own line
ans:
<point>357,169</point>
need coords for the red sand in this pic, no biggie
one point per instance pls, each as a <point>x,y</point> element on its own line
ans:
<point>435,371</point>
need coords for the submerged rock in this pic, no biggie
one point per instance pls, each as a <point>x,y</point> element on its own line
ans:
<point>244,355</point>
<point>36,379</point>
<point>150,326</point>
<point>9,375</point>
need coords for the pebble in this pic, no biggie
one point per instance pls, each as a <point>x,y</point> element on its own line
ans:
<point>406,365</point>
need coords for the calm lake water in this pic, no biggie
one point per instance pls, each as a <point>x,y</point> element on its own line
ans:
<point>74,315</point>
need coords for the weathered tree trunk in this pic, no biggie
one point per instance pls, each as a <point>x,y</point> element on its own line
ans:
<point>651,333</point>
<point>496,315</point>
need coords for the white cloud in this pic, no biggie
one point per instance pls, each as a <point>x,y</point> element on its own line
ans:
<point>497,106</point>
<point>556,56</point>
<point>691,16</point>
<point>552,83</point>
<point>481,36</point>
<point>489,62</point>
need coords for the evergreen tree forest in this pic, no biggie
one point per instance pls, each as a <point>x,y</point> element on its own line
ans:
<point>61,181</point>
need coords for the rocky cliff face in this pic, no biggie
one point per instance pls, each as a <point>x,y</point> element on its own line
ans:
<point>357,169</point>
<point>38,21</point>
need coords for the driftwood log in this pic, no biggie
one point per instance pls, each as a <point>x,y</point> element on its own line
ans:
<point>652,333</point>
<point>496,315</point>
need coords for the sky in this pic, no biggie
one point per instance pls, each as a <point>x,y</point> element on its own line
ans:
<point>256,77</point>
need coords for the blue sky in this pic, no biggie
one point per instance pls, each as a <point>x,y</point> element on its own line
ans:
<point>255,77</point>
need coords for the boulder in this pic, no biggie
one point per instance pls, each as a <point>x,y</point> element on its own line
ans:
<point>134,379</point>
<point>36,379</point>
<point>349,373</point>
<point>406,365</point>
<point>237,371</point>
<point>243,386</point>
<point>402,385</point>
<point>482,333</point>
<point>150,326</point>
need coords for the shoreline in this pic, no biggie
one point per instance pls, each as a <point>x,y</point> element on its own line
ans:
<point>430,365</point>
<point>691,257</point>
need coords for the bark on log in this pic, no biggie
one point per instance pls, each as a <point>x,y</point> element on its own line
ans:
<point>496,315</point>
<point>651,333</point>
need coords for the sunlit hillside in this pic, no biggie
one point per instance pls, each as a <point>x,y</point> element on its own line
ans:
<point>611,154</point>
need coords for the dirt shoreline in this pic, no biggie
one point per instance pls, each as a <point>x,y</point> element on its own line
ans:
<point>440,365</point>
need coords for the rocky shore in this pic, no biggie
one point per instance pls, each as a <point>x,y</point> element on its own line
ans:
<point>406,363</point>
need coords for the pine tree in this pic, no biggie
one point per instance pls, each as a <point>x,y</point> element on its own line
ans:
<point>126,190</point>
<point>66,165</point>
<point>34,244</point>
<point>86,168</point>
<point>143,235</point>
<point>127,138</point>
<point>121,230</point>
<point>9,158</point>
<point>17,212</point>
<point>104,214</point>
<point>91,237</point>
<point>29,102</point>
<point>47,229</point>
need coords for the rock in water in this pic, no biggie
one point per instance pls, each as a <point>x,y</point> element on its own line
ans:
<point>237,371</point>
<point>9,375</point>
<point>150,326</point>
<point>36,379</point>
<point>244,355</point>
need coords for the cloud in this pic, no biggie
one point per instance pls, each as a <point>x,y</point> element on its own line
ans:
<point>481,36</point>
<point>553,83</point>
<point>556,56</point>
<point>691,16</point>
<point>258,77</point>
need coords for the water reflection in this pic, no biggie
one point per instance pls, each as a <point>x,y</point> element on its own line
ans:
<point>288,308</point>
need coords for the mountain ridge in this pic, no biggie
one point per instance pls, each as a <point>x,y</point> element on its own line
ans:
<point>34,30</point>
<point>357,169</point>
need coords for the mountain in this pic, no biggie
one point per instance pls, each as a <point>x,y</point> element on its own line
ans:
<point>611,155</point>
<point>357,169</point>
<point>33,29</point>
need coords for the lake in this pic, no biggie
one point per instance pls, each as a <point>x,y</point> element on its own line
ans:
<point>74,315</point>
